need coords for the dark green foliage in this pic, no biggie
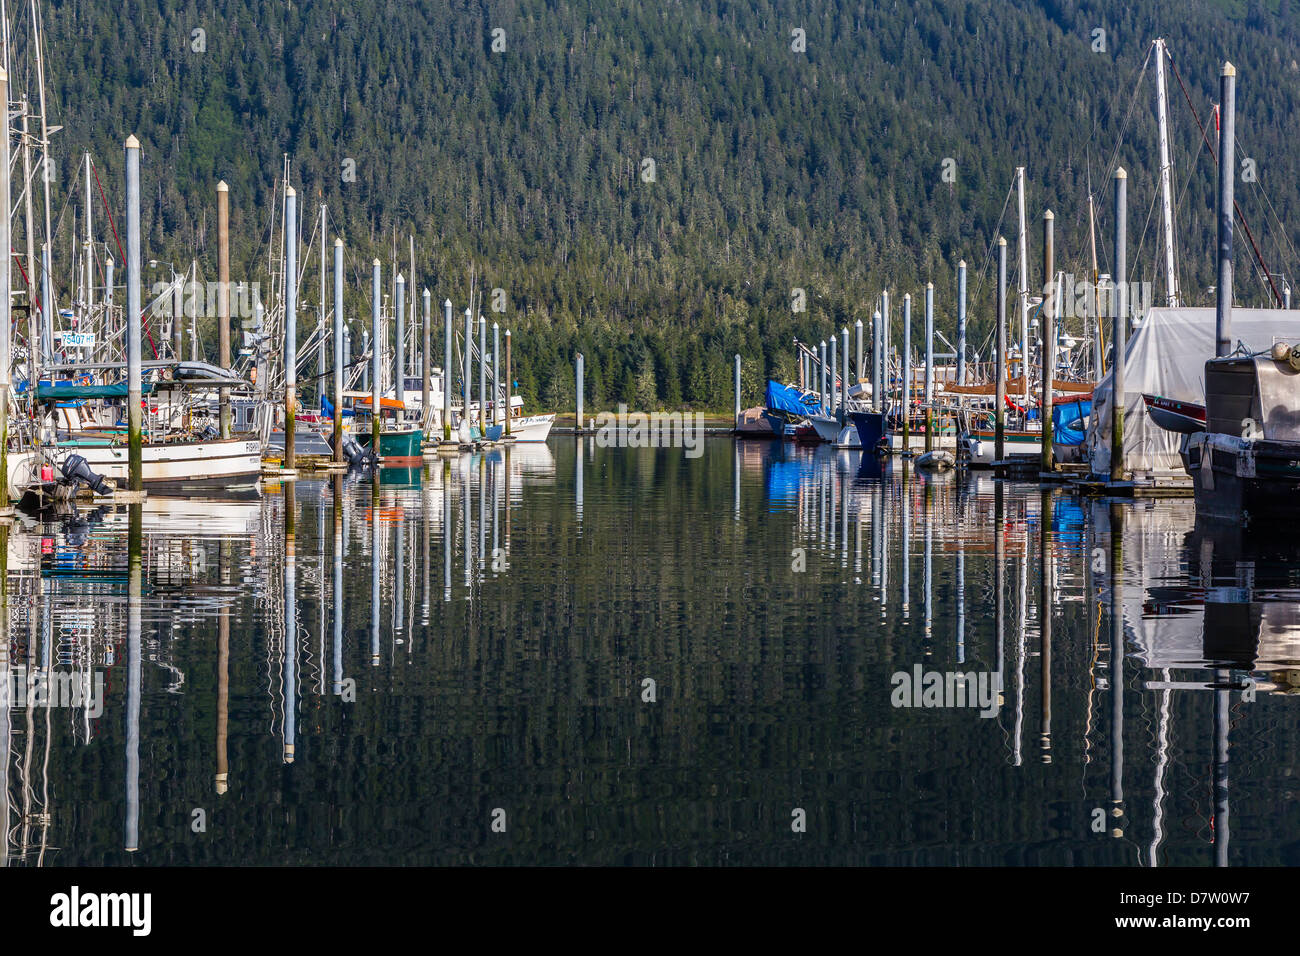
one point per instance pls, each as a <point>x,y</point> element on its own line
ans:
<point>774,170</point>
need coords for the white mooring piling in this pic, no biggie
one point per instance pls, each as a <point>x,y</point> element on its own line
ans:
<point>290,322</point>
<point>877,362</point>
<point>1048,348</point>
<point>907,374</point>
<point>5,316</point>
<point>831,369</point>
<point>446,369</point>
<point>1227,170</point>
<point>482,375</point>
<point>468,369</point>
<point>339,359</point>
<point>961,322</point>
<point>1000,359</point>
<point>822,398</point>
<point>510,385</point>
<point>1119,331</point>
<point>223,299</point>
<point>426,362</point>
<point>858,353</point>
<point>929,367</point>
<point>399,338</point>
<point>496,373</point>
<point>844,374</point>
<point>736,401</point>
<point>376,366</point>
<point>577,363</point>
<point>135,481</point>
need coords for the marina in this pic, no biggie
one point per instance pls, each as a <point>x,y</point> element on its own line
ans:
<point>639,436</point>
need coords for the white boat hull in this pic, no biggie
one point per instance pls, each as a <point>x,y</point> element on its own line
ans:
<point>180,468</point>
<point>982,450</point>
<point>534,428</point>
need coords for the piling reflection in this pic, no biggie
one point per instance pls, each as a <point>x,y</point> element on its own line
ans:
<point>790,605</point>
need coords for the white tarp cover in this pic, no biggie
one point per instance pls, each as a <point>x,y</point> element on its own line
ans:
<point>1166,356</point>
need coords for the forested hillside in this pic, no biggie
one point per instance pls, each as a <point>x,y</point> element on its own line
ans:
<point>775,163</point>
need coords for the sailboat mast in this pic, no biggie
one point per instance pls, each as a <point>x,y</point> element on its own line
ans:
<point>89,250</point>
<point>1166,174</point>
<point>46,170</point>
<point>1096,314</point>
<point>33,327</point>
<point>1022,284</point>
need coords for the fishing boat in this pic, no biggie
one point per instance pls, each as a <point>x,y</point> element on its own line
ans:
<point>180,453</point>
<point>398,438</point>
<point>1245,465</point>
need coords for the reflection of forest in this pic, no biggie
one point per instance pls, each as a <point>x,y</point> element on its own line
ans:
<point>427,652</point>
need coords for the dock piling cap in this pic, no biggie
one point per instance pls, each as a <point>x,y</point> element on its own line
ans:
<point>222,187</point>
<point>338,241</point>
<point>1228,69</point>
<point>289,191</point>
<point>132,142</point>
<point>1120,173</point>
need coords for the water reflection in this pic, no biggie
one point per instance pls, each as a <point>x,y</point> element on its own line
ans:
<point>294,650</point>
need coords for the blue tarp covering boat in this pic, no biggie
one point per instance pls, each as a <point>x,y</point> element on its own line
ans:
<point>788,399</point>
<point>1070,421</point>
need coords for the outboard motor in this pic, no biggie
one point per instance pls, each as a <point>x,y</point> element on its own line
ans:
<point>76,472</point>
<point>355,454</point>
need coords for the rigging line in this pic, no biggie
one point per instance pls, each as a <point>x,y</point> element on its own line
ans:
<point>1137,253</point>
<point>1128,116</point>
<point>1092,135</point>
<point>988,254</point>
<point>1236,206</point>
<point>1281,228</point>
<point>1178,203</point>
<point>112,224</point>
<point>1259,187</point>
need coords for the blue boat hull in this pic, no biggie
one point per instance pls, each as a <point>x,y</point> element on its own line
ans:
<point>871,428</point>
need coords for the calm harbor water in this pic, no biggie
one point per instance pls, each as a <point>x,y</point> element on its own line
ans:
<point>575,654</point>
